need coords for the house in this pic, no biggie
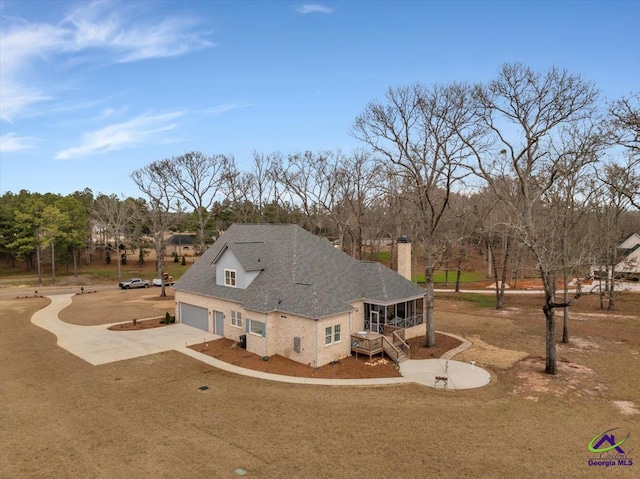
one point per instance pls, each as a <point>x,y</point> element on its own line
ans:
<point>628,260</point>
<point>629,254</point>
<point>278,289</point>
<point>181,244</point>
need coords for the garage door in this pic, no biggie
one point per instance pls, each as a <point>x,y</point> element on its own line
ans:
<point>194,316</point>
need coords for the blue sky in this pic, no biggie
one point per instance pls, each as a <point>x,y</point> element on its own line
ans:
<point>91,91</point>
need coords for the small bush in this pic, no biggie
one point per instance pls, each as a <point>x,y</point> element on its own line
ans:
<point>175,257</point>
<point>184,261</point>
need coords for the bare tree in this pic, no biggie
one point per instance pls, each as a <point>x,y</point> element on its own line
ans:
<point>312,181</point>
<point>414,132</point>
<point>525,111</point>
<point>358,179</point>
<point>152,181</point>
<point>198,179</point>
<point>112,215</point>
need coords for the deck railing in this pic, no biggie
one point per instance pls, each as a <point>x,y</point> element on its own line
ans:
<point>392,351</point>
<point>362,344</point>
<point>404,323</point>
<point>398,342</point>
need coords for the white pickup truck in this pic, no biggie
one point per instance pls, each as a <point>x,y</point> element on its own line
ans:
<point>134,283</point>
<point>168,281</point>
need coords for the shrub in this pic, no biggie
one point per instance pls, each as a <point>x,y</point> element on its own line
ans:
<point>184,261</point>
<point>175,257</point>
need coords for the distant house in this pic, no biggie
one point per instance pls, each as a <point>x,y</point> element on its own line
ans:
<point>278,289</point>
<point>181,244</point>
<point>629,254</point>
<point>628,260</point>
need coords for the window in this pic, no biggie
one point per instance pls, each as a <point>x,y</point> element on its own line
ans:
<point>256,327</point>
<point>332,335</point>
<point>229,277</point>
<point>236,319</point>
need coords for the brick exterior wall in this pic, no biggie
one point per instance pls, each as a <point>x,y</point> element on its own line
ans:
<point>282,328</point>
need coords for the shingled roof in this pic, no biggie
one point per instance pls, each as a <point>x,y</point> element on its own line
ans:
<point>300,273</point>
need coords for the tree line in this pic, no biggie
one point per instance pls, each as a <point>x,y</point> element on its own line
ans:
<point>534,168</point>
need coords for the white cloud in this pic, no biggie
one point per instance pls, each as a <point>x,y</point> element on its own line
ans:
<point>11,142</point>
<point>225,107</point>
<point>314,8</point>
<point>138,131</point>
<point>87,33</point>
<point>108,111</point>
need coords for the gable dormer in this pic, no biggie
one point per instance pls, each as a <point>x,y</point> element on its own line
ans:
<point>238,264</point>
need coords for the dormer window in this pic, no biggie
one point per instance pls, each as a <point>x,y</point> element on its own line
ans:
<point>230,277</point>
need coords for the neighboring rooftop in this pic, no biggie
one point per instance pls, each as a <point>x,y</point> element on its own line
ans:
<point>300,274</point>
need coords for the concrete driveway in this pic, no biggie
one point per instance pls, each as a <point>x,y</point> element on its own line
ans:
<point>97,345</point>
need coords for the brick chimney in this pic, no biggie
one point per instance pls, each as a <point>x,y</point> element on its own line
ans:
<point>404,257</point>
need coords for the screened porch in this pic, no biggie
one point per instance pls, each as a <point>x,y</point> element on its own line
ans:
<point>404,314</point>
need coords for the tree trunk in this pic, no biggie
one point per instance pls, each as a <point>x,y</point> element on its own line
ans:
<point>551,366</point>
<point>75,264</point>
<point>494,266</point>
<point>38,257</point>
<point>53,262</point>
<point>458,274</point>
<point>429,298</point>
<point>612,288</point>
<point>600,289</point>
<point>565,310</point>
<point>505,265</point>
<point>160,263</point>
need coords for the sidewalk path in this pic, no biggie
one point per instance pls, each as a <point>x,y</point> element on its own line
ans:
<point>97,345</point>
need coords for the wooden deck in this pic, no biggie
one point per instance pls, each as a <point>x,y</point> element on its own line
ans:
<point>367,342</point>
<point>370,343</point>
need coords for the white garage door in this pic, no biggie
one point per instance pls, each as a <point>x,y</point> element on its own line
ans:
<point>194,316</point>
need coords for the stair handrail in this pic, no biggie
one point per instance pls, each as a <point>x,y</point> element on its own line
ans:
<point>393,347</point>
<point>403,345</point>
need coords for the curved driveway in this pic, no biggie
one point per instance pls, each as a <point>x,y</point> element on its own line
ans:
<point>97,345</point>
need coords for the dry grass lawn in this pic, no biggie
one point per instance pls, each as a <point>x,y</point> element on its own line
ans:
<point>61,417</point>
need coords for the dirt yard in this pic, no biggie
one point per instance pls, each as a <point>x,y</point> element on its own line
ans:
<point>147,417</point>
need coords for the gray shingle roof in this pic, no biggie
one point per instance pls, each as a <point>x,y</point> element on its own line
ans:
<point>300,273</point>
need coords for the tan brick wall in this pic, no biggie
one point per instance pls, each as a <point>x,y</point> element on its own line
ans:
<point>334,351</point>
<point>404,260</point>
<point>415,331</point>
<point>281,329</point>
<point>357,321</point>
<point>255,344</point>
